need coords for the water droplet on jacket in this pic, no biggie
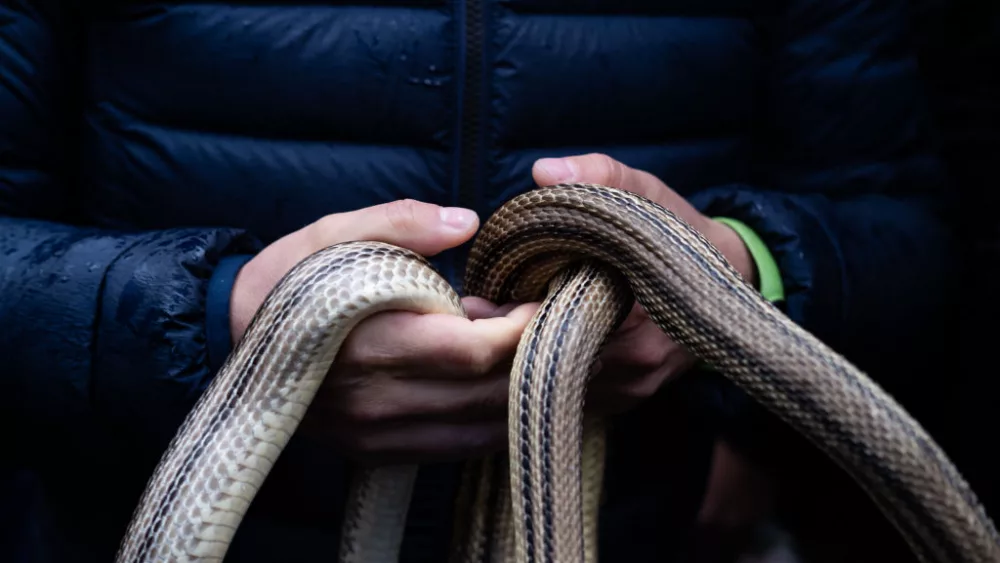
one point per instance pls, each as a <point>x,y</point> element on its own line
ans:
<point>63,279</point>
<point>428,82</point>
<point>414,80</point>
<point>432,68</point>
<point>403,57</point>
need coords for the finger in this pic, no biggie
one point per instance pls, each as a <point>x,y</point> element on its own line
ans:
<point>425,443</point>
<point>380,402</point>
<point>439,346</point>
<point>508,308</point>
<point>640,349</point>
<point>601,169</point>
<point>422,227</point>
<point>478,308</point>
<point>636,317</point>
<point>618,388</point>
<point>615,395</point>
<point>596,169</point>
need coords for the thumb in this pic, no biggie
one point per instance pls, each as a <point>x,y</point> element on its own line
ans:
<point>596,169</point>
<point>424,228</point>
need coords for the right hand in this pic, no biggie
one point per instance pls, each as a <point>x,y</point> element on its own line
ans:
<point>405,387</point>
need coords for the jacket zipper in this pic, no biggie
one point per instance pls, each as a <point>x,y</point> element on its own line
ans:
<point>468,192</point>
<point>472,93</point>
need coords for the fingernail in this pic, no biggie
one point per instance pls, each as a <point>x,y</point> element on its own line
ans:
<point>458,218</point>
<point>559,169</point>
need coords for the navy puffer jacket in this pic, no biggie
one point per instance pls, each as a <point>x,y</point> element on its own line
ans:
<point>148,149</point>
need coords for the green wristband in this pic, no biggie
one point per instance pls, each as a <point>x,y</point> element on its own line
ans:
<point>768,275</point>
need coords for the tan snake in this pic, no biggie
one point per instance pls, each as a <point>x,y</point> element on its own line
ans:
<point>586,251</point>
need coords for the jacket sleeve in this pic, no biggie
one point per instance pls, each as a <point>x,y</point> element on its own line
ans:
<point>851,199</point>
<point>98,326</point>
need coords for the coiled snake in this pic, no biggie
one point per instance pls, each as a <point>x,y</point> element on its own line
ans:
<point>586,251</point>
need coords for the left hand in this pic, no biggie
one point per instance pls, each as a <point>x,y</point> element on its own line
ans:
<point>639,357</point>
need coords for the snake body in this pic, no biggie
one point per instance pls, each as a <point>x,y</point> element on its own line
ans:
<point>586,252</point>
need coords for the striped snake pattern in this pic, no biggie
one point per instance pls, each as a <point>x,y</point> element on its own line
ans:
<point>586,252</point>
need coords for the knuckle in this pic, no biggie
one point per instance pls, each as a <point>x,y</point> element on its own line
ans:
<point>362,356</point>
<point>477,359</point>
<point>641,388</point>
<point>366,412</point>
<point>401,214</point>
<point>327,222</point>
<point>651,357</point>
<point>610,171</point>
<point>323,231</point>
<point>642,355</point>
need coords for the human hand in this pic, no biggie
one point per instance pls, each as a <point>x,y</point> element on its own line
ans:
<point>639,357</point>
<point>405,387</point>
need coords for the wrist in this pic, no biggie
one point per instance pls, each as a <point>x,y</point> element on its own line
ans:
<point>767,276</point>
<point>220,303</point>
<point>244,300</point>
<point>728,241</point>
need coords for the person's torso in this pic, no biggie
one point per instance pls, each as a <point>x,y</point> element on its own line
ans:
<point>267,117</point>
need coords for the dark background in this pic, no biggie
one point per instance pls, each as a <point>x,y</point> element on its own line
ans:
<point>959,49</point>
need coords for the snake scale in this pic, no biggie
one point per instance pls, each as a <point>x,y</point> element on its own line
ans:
<point>587,252</point>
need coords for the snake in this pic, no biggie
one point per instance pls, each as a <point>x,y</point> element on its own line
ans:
<point>587,253</point>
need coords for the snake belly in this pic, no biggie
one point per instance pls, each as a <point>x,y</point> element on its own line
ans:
<point>220,456</point>
<point>546,511</point>
<point>694,295</point>
<point>526,506</point>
